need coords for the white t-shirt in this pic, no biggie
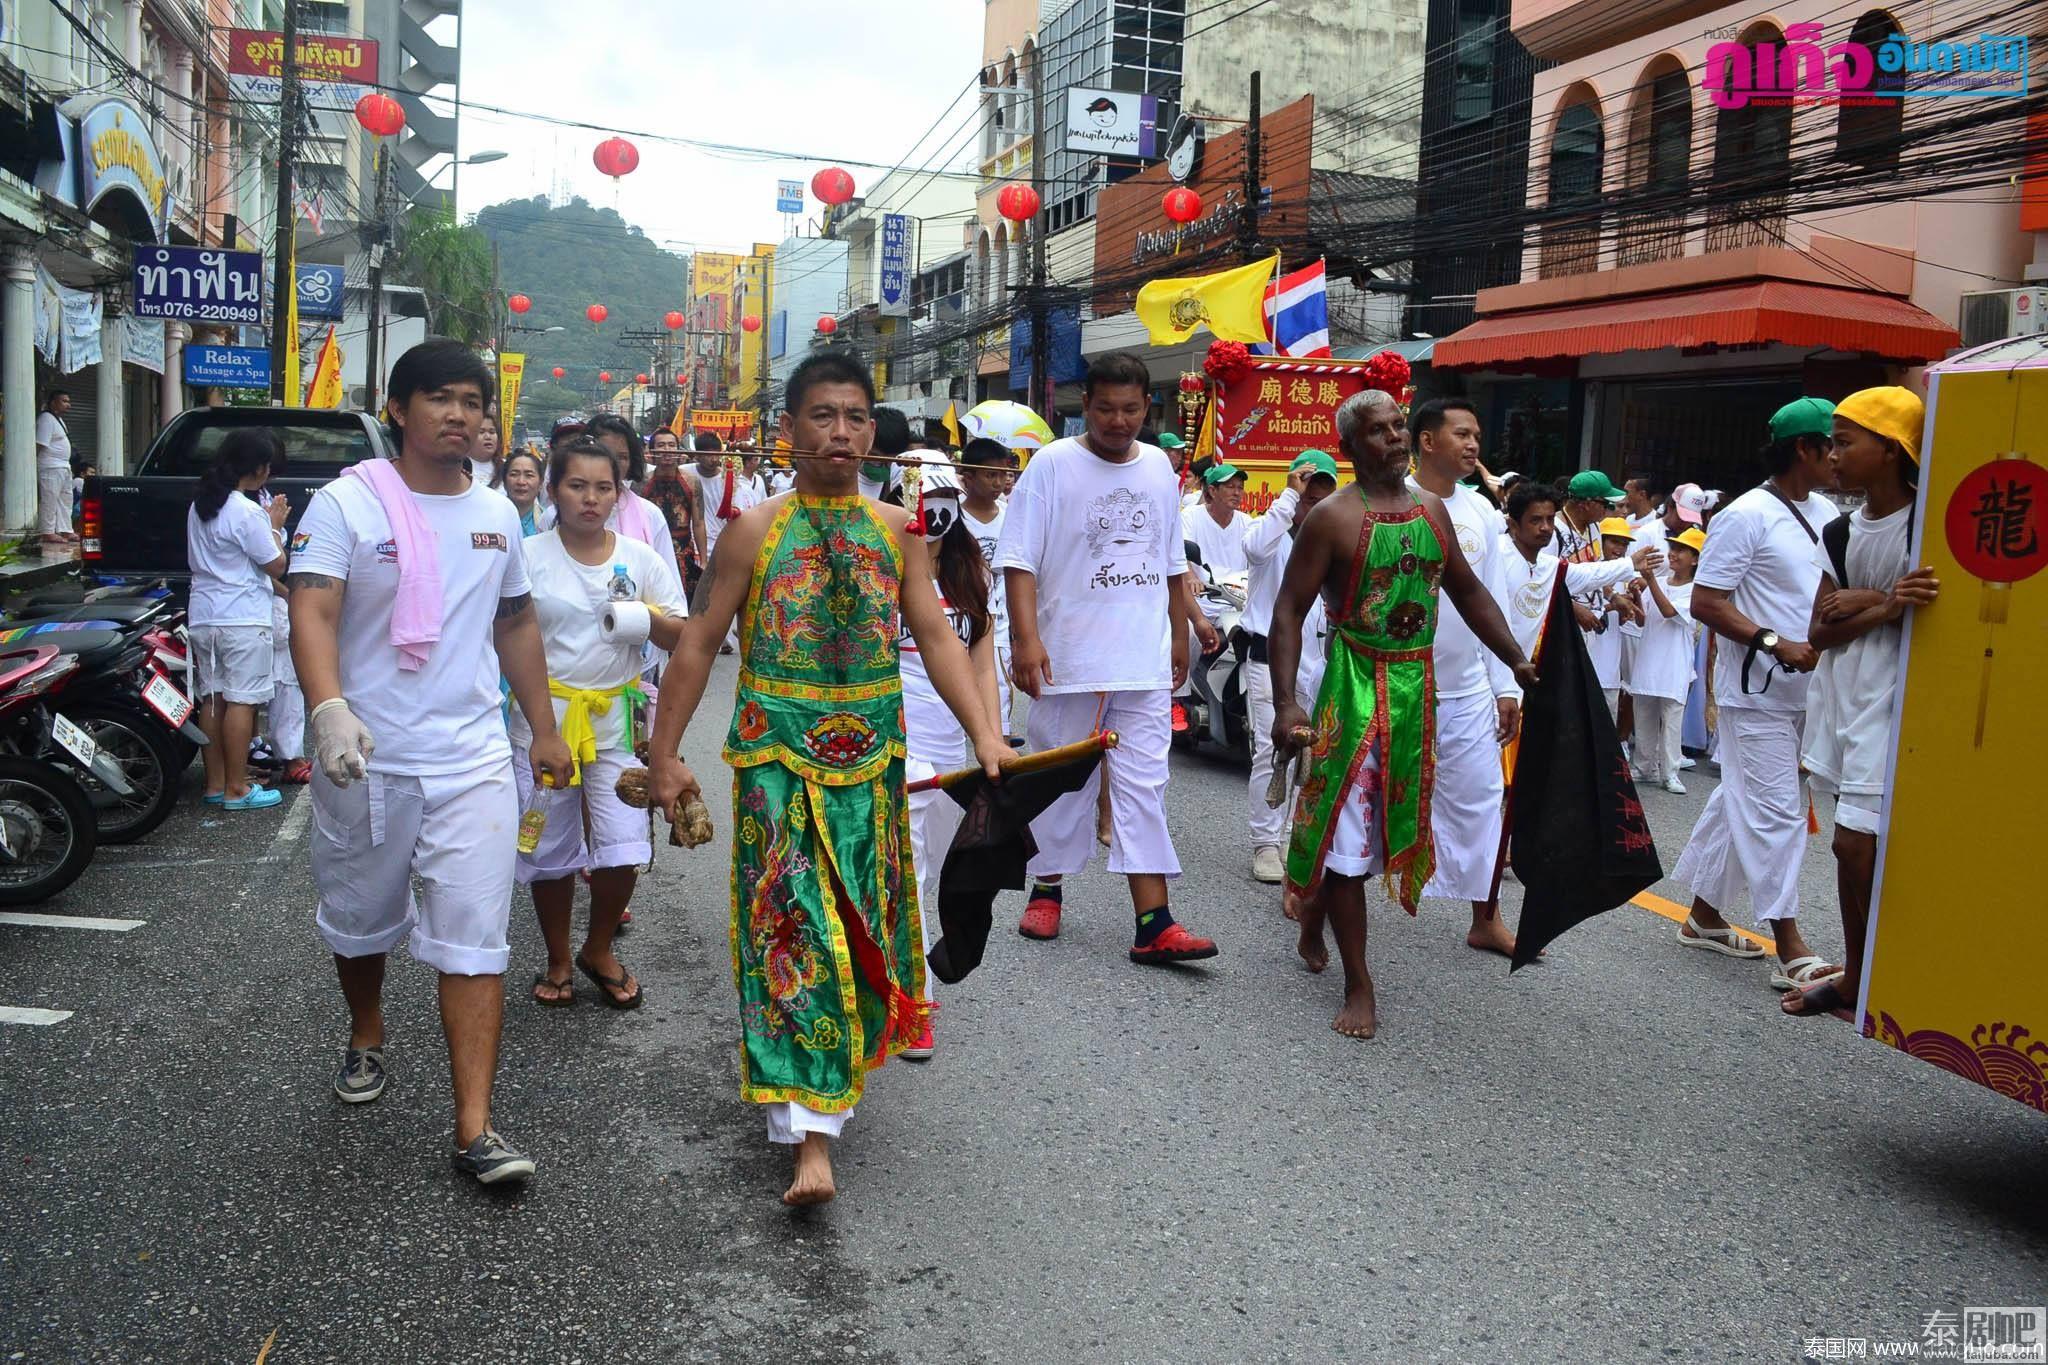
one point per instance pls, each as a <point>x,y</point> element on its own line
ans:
<point>1464,667</point>
<point>877,488</point>
<point>442,717</point>
<point>53,442</point>
<point>990,534</point>
<point>931,731</point>
<point>226,556</point>
<point>1267,544</point>
<point>570,598</point>
<point>1663,661</point>
<point>1525,585</point>
<point>1104,542</point>
<point>1758,554</point>
<point>1222,546</point>
<point>711,496</point>
<point>1855,688</point>
<point>658,537</point>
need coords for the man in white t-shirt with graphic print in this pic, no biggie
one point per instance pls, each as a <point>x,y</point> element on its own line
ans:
<point>1099,615</point>
<point>983,490</point>
<point>1755,589</point>
<point>400,670</point>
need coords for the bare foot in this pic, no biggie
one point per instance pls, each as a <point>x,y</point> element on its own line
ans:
<point>812,1183</point>
<point>1315,954</point>
<point>1360,1016</point>
<point>1290,906</point>
<point>1825,998</point>
<point>1491,936</point>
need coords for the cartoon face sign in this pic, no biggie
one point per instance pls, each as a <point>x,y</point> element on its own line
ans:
<point>941,513</point>
<point>1102,112</point>
<point>1122,523</point>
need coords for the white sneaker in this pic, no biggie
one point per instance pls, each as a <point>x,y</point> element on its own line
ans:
<point>1266,864</point>
<point>1674,786</point>
<point>1685,764</point>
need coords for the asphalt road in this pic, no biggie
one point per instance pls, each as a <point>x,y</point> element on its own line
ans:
<point>1622,1154</point>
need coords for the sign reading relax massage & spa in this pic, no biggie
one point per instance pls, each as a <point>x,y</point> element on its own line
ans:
<point>227,367</point>
<point>198,284</point>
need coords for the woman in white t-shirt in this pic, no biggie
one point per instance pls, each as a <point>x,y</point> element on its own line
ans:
<point>484,456</point>
<point>1661,676</point>
<point>236,555</point>
<point>579,570</point>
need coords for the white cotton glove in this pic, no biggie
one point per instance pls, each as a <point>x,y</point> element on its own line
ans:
<point>342,742</point>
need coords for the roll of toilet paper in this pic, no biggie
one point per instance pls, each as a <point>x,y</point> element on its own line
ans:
<point>625,623</point>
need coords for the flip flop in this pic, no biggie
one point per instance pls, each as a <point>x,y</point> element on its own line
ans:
<point>607,984</point>
<point>1724,941</point>
<point>1802,972</point>
<point>543,979</point>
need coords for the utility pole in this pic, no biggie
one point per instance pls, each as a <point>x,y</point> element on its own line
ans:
<point>376,233</point>
<point>287,216</point>
<point>1041,339</point>
<point>1248,222</point>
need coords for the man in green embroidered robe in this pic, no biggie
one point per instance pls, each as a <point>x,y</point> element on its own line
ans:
<point>826,936</point>
<point>1378,553</point>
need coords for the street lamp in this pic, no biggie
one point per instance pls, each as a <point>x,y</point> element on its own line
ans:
<point>515,327</point>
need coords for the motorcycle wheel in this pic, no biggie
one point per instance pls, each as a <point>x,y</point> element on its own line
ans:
<point>151,758</point>
<point>47,833</point>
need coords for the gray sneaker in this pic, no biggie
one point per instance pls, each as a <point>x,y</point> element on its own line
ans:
<point>361,1078</point>
<point>490,1159</point>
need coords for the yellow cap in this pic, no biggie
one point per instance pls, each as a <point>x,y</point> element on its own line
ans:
<point>1616,526</point>
<point>1693,539</point>
<point>1888,411</point>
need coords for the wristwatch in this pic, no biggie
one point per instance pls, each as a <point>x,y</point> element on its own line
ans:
<point>1764,641</point>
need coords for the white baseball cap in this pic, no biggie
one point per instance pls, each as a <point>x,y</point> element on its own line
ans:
<point>1691,500</point>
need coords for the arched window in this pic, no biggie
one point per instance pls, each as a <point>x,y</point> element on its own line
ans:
<point>991,116</point>
<point>1660,162</point>
<point>1578,148</point>
<point>1868,127</point>
<point>1752,162</point>
<point>1024,110</point>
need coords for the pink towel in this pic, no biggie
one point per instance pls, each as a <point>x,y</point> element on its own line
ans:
<point>416,613</point>
<point>633,517</point>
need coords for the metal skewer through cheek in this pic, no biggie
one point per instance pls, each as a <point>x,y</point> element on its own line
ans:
<point>773,455</point>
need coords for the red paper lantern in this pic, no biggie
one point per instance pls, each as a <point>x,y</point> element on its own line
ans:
<point>616,157</point>
<point>519,303</point>
<point>379,114</point>
<point>597,313</point>
<point>832,185</point>
<point>1182,204</point>
<point>828,324</point>
<point>750,323</point>
<point>1017,203</point>
<point>604,376</point>
<point>673,321</point>
<point>559,372</point>
<point>639,379</point>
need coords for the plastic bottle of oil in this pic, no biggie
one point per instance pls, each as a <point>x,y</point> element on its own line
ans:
<point>534,818</point>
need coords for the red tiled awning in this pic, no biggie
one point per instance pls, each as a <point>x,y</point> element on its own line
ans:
<point>1770,311</point>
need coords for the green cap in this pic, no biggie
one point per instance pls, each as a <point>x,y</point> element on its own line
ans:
<point>1169,441</point>
<point>1221,473</point>
<point>1803,417</point>
<point>1317,460</point>
<point>1592,483</point>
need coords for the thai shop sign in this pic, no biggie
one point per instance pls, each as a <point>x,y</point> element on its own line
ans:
<point>227,367</point>
<point>198,284</point>
<point>895,280</point>
<point>335,70</point>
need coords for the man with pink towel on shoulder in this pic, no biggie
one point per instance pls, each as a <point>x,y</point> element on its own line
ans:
<point>409,597</point>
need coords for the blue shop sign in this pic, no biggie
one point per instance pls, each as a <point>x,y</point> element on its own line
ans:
<point>198,284</point>
<point>227,367</point>
<point>320,292</point>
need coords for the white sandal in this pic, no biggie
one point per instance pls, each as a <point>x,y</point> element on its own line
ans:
<point>1802,972</point>
<point>1723,940</point>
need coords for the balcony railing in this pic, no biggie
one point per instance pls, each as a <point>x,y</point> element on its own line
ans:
<point>1657,238</point>
<point>1755,222</point>
<point>1570,248</point>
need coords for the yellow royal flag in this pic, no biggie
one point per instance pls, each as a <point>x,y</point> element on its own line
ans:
<point>1230,303</point>
<point>680,423</point>
<point>292,391</point>
<point>951,422</point>
<point>325,391</point>
<point>511,374</point>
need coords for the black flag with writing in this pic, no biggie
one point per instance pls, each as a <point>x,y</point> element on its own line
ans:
<point>989,853</point>
<point>1578,839</point>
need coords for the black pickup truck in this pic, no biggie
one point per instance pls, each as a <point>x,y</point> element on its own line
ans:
<point>133,525</point>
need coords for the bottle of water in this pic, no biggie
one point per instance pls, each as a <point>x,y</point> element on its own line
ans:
<point>623,589</point>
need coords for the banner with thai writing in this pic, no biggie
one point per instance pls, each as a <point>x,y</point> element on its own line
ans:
<point>198,284</point>
<point>511,374</point>
<point>1959,946</point>
<point>730,424</point>
<point>335,70</point>
<point>1275,410</point>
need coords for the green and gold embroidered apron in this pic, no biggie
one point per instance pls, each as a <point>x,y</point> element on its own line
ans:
<point>827,948</point>
<point>1378,694</point>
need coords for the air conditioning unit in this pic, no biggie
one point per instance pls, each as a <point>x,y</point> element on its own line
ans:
<point>1996,314</point>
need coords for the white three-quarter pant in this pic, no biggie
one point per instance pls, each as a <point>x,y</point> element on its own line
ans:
<point>457,832</point>
<point>588,827</point>
<point>1268,823</point>
<point>1660,724</point>
<point>789,1122</point>
<point>1465,806</point>
<point>53,499</point>
<point>287,721</point>
<point>1752,835</point>
<point>1138,838</point>
<point>934,816</point>
<point>1354,830</point>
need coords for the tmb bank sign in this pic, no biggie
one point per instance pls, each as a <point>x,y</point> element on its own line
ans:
<point>198,284</point>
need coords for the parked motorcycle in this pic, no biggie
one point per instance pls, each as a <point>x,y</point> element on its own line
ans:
<point>1217,710</point>
<point>47,827</point>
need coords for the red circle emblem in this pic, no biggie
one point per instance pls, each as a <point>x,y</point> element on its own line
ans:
<point>1997,521</point>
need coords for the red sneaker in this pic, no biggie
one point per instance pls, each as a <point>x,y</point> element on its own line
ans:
<point>1180,719</point>
<point>1041,918</point>
<point>921,1050</point>
<point>1174,944</point>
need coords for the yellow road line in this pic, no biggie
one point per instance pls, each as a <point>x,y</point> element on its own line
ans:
<point>1677,914</point>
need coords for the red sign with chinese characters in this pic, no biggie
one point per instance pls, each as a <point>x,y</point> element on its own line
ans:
<point>1280,408</point>
<point>1995,521</point>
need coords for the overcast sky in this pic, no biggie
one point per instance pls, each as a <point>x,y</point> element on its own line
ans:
<point>821,81</point>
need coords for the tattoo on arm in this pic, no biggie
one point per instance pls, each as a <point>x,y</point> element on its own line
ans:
<point>310,580</point>
<point>509,607</point>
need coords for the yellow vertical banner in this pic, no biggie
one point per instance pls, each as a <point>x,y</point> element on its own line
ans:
<point>325,390</point>
<point>511,374</point>
<point>293,394</point>
<point>1958,942</point>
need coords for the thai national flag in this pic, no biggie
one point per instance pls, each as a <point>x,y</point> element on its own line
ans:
<point>1298,314</point>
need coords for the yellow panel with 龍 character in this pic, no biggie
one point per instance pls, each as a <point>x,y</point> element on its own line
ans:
<point>1959,930</point>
